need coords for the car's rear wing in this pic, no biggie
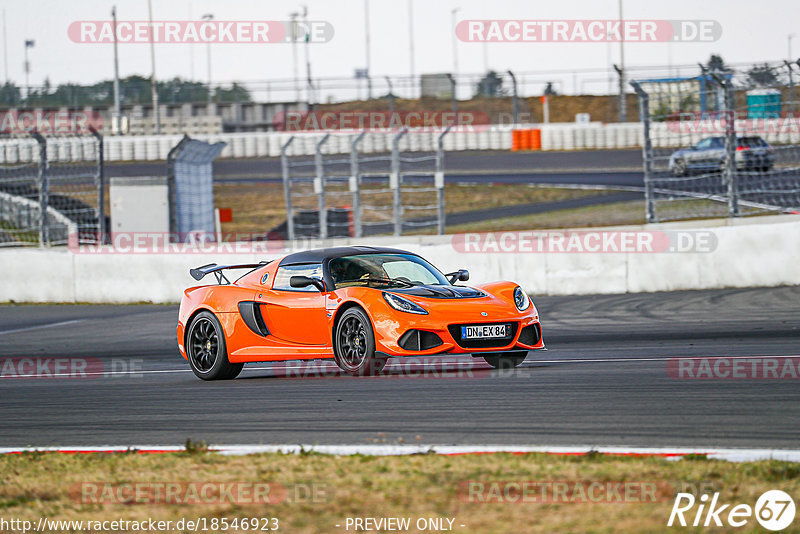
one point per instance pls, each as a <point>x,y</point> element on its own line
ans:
<point>199,272</point>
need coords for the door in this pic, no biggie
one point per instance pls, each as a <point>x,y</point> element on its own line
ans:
<point>296,315</point>
<point>698,158</point>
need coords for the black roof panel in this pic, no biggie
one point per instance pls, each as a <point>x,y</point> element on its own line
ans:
<point>321,254</point>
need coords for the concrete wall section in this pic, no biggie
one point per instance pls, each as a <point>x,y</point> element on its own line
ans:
<point>757,252</point>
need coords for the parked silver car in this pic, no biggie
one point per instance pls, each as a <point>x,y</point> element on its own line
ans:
<point>752,153</point>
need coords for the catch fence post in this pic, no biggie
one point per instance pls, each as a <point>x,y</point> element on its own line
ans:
<point>287,190</point>
<point>355,184</point>
<point>395,183</point>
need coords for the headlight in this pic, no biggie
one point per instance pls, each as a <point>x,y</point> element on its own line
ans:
<point>403,304</point>
<point>521,299</point>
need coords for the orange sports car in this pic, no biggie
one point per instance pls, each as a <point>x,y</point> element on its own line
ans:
<point>358,305</point>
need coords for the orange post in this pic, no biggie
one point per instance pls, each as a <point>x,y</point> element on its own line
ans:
<point>536,139</point>
<point>515,140</point>
<point>525,141</point>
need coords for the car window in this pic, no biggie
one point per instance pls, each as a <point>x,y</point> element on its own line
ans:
<point>409,269</point>
<point>751,142</point>
<point>285,273</point>
<point>366,269</point>
<point>705,143</point>
<point>717,142</point>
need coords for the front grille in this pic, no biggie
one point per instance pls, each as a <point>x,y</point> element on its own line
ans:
<point>455,331</point>
<point>531,334</point>
<point>419,340</point>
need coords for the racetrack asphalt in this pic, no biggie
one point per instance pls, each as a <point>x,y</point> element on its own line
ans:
<point>583,167</point>
<point>603,382</point>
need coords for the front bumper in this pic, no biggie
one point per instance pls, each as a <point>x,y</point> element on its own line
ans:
<point>526,335</point>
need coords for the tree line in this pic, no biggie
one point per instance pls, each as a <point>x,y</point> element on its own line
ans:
<point>133,90</point>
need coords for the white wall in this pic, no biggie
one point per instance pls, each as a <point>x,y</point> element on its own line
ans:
<point>763,251</point>
<point>555,136</point>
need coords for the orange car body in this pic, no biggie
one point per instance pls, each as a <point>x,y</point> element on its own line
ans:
<point>300,324</point>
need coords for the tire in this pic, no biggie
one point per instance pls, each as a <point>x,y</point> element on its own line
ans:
<point>354,344</point>
<point>507,360</point>
<point>207,351</point>
<point>679,169</point>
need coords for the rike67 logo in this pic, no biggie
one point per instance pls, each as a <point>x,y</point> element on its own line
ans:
<point>774,510</point>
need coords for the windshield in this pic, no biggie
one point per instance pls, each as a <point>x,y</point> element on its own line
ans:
<point>384,270</point>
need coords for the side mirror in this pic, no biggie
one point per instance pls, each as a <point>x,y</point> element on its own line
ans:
<point>305,281</point>
<point>461,275</point>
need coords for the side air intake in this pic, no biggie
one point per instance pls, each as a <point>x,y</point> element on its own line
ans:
<point>251,314</point>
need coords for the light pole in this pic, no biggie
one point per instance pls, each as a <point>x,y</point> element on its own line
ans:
<point>293,16</point>
<point>5,50</point>
<point>367,47</point>
<point>411,44</point>
<point>623,115</point>
<point>209,17</point>
<point>454,99</point>
<point>153,85</point>
<point>307,31</point>
<point>609,67</point>
<point>789,67</point>
<point>391,98</point>
<point>514,98</point>
<point>28,44</point>
<point>455,48</point>
<point>116,128</point>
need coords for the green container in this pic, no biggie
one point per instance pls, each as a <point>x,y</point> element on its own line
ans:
<point>763,104</point>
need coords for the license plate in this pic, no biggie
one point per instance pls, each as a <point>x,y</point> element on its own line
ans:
<point>483,331</point>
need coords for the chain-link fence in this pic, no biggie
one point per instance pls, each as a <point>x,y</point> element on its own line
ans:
<point>723,143</point>
<point>57,195</point>
<point>395,189</point>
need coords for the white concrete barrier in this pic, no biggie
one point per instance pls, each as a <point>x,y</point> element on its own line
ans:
<point>757,252</point>
<point>555,136</point>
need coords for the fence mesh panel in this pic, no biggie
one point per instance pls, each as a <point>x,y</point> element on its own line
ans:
<point>721,143</point>
<point>19,194</point>
<point>61,173</point>
<point>73,179</point>
<point>388,192</point>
